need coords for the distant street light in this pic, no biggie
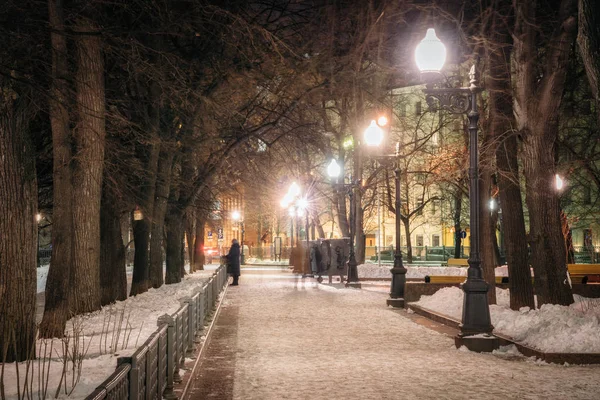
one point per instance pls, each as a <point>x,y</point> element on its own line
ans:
<point>237,216</point>
<point>373,134</point>
<point>476,327</point>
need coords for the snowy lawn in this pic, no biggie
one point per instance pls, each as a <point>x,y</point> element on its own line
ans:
<point>551,329</point>
<point>114,331</point>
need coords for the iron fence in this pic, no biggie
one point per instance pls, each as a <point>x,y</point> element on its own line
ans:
<point>151,371</point>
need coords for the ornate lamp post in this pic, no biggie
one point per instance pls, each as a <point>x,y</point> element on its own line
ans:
<point>238,217</point>
<point>430,56</point>
<point>374,137</point>
<point>399,271</point>
<point>334,170</point>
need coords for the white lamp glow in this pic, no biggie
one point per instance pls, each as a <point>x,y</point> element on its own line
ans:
<point>294,189</point>
<point>430,54</point>
<point>558,181</point>
<point>333,169</point>
<point>236,215</point>
<point>373,134</point>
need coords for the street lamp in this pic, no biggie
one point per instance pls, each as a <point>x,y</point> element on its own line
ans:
<point>334,170</point>
<point>297,208</point>
<point>238,217</point>
<point>374,137</point>
<point>430,56</point>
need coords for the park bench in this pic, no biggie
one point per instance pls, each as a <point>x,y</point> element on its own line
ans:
<point>584,273</point>
<point>456,279</point>
<point>458,262</point>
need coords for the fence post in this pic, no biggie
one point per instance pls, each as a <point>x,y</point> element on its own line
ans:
<point>201,311</point>
<point>191,318</point>
<point>168,320</point>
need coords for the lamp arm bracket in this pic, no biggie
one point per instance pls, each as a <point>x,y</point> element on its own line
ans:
<point>453,100</point>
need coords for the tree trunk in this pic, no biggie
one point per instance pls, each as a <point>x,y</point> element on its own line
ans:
<point>141,280</point>
<point>547,243</point>
<point>174,225</point>
<point>113,276</point>
<point>89,138</point>
<point>58,282</point>
<point>341,211</point>
<point>189,221</point>
<point>18,229</point>
<point>539,84</point>
<point>141,242</point>
<point>501,125</point>
<point>317,223</point>
<point>163,186</point>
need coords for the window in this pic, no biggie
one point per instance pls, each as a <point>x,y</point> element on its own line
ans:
<point>403,110</point>
<point>587,195</point>
<point>419,240</point>
<point>418,108</point>
<point>435,240</point>
<point>419,207</point>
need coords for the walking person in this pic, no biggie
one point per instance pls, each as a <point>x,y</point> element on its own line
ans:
<point>233,261</point>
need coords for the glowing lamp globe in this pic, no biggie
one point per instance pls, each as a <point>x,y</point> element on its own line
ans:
<point>430,54</point>
<point>333,169</point>
<point>373,134</point>
<point>294,190</point>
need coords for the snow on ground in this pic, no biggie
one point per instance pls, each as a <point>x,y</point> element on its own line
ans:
<point>132,321</point>
<point>298,340</point>
<point>551,329</point>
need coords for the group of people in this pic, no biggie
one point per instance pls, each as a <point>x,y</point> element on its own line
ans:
<point>233,262</point>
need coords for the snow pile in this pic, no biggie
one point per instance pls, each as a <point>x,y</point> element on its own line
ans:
<point>132,320</point>
<point>552,328</point>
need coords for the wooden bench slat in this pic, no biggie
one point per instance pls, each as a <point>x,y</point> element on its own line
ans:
<point>584,269</point>
<point>458,262</point>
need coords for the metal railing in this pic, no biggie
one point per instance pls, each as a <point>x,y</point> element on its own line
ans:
<point>153,369</point>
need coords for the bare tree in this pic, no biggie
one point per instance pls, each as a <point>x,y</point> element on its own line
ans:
<point>537,102</point>
<point>18,226</point>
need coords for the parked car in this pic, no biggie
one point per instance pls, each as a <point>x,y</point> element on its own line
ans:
<point>387,255</point>
<point>438,254</point>
<point>209,253</point>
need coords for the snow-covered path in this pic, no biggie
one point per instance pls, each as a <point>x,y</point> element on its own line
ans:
<point>278,337</point>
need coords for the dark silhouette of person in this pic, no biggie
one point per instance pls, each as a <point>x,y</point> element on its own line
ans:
<point>233,259</point>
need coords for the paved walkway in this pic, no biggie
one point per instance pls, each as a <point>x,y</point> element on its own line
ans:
<point>281,337</point>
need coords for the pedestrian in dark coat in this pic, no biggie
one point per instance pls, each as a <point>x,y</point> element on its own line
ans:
<point>233,259</point>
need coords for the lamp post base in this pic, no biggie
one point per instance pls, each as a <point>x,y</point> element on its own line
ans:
<point>476,312</point>
<point>352,279</point>
<point>396,303</point>
<point>481,343</point>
